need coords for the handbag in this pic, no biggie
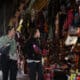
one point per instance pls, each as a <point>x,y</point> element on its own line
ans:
<point>71,40</point>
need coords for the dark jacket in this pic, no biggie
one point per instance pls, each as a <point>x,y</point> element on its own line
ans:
<point>29,50</point>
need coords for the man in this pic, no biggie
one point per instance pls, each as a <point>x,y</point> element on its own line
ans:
<point>9,57</point>
<point>33,53</point>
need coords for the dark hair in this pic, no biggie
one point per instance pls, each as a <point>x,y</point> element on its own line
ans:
<point>9,28</point>
<point>34,31</point>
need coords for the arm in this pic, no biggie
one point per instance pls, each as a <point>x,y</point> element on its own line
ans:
<point>4,46</point>
<point>2,41</point>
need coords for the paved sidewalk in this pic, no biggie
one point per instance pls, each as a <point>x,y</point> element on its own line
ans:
<point>19,77</point>
<point>0,75</point>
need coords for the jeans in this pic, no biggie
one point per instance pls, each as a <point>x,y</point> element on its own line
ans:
<point>35,68</point>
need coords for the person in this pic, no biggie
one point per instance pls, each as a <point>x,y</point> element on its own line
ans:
<point>9,57</point>
<point>33,53</point>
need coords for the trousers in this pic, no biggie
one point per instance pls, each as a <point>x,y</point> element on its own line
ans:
<point>35,69</point>
<point>9,68</point>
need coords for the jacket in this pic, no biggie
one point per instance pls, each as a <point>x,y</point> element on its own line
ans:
<point>30,52</point>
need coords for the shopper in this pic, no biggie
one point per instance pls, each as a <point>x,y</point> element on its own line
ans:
<point>9,55</point>
<point>33,53</point>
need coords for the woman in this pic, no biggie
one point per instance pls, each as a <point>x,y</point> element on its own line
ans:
<point>33,53</point>
<point>9,57</point>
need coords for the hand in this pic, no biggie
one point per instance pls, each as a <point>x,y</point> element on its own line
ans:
<point>36,49</point>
